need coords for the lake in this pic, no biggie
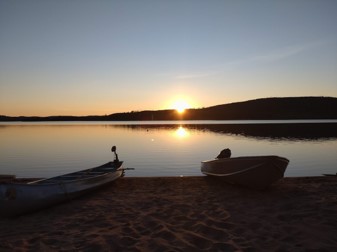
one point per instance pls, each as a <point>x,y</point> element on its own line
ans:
<point>163,148</point>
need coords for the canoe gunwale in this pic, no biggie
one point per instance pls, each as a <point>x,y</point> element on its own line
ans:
<point>79,176</point>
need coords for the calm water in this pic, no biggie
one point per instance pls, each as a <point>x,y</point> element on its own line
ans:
<point>161,148</point>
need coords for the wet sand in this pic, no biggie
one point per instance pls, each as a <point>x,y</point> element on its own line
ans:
<point>184,214</point>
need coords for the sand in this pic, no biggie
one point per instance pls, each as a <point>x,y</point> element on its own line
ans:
<point>184,214</point>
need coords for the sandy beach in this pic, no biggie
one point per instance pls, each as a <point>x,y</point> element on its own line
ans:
<point>184,214</point>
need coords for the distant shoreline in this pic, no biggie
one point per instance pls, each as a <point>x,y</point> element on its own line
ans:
<point>288,108</point>
<point>188,122</point>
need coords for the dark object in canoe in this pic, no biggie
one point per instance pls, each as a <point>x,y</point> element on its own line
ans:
<point>7,178</point>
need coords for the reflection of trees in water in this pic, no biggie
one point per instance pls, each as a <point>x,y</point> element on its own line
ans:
<point>305,131</point>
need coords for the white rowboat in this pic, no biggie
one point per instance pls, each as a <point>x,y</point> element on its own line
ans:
<point>252,171</point>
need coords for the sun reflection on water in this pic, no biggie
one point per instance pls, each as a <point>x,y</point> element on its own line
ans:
<point>181,132</point>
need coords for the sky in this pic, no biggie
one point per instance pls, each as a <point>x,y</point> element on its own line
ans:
<point>80,57</point>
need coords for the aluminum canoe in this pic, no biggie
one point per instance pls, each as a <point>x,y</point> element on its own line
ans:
<point>16,198</point>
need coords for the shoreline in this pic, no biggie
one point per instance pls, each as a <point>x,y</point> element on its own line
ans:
<point>184,214</point>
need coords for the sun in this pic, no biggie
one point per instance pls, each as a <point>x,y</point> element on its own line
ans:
<point>180,106</point>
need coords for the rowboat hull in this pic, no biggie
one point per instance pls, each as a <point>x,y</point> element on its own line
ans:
<point>16,199</point>
<point>256,172</point>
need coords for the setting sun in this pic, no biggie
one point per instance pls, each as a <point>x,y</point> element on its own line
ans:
<point>180,106</point>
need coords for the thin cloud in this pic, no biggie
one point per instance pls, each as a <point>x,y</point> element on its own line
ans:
<point>288,52</point>
<point>279,54</point>
<point>268,57</point>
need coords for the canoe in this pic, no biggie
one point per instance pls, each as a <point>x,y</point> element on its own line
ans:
<point>18,198</point>
<point>256,172</point>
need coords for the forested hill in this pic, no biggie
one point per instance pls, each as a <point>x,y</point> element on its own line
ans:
<point>259,109</point>
<point>272,108</point>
